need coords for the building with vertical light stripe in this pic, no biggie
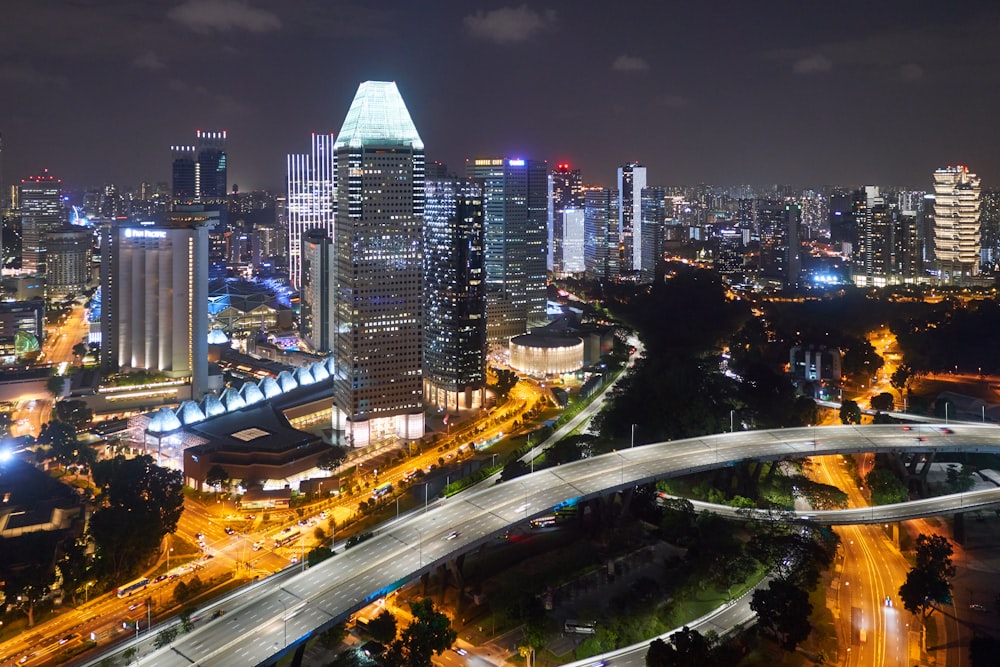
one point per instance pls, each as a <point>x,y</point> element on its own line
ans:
<point>154,296</point>
<point>455,295</point>
<point>41,211</point>
<point>631,181</point>
<point>312,198</point>
<point>378,344</point>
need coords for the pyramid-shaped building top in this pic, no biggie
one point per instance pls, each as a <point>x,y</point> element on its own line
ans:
<point>378,117</point>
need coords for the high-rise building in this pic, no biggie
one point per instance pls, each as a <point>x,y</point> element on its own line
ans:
<point>184,175</point>
<point>154,296</point>
<point>652,215</point>
<point>565,193</point>
<point>317,292</point>
<point>40,199</point>
<point>67,263</point>
<point>600,233</point>
<point>378,349</point>
<point>631,181</point>
<point>455,295</point>
<point>956,223</point>
<point>573,247</point>
<point>780,260</point>
<point>211,171</point>
<point>312,198</point>
<point>516,196</point>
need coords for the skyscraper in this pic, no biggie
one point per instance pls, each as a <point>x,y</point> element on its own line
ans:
<point>780,261</point>
<point>317,293</point>
<point>378,349</point>
<point>312,198</point>
<point>652,213</point>
<point>600,234</point>
<point>211,171</point>
<point>154,296</point>
<point>67,260</point>
<point>956,223</point>
<point>184,175</point>
<point>455,295</point>
<point>516,196</point>
<point>631,181</point>
<point>566,193</point>
<point>40,199</point>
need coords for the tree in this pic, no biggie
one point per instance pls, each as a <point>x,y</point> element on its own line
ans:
<point>900,379</point>
<point>850,413</point>
<point>959,479</point>
<point>216,476</point>
<point>139,503</point>
<point>332,458</point>
<point>60,438</point>
<point>129,654</point>
<point>332,637</point>
<point>783,611</point>
<point>181,593</point>
<point>27,587</point>
<point>187,625</point>
<point>684,648</point>
<point>76,413</point>
<point>164,637</point>
<point>927,583</point>
<point>57,385</point>
<point>429,634</point>
<point>73,567</point>
<point>882,402</point>
<point>885,486</point>
<point>79,350</point>
<point>382,628</point>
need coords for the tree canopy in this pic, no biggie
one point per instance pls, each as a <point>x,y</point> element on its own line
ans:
<point>927,583</point>
<point>684,648</point>
<point>139,503</point>
<point>430,633</point>
<point>783,611</point>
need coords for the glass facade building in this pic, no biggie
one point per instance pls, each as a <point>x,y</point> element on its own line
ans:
<point>312,198</point>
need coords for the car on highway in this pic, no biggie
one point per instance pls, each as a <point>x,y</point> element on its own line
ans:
<point>68,638</point>
<point>452,535</point>
<point>977,607</point>
<point>888,601</point>
<point>135,606</point>
<point>946,430</point>
<point>229,530</point>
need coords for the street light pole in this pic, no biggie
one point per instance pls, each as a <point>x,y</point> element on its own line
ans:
<point>633,435</point>
<point>284,618</point>
<point>731,413</point>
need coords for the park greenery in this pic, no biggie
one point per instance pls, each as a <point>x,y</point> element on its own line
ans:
<point>927,583</point>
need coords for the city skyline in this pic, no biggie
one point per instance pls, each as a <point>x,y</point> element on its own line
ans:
<point>721,93</point>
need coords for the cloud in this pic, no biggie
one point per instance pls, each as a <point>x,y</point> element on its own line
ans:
<point>627,63</point>
<point>221,104</point>
<point>149,60</point>
<point>812,64</point>
<point>28,74</point>
<point>508,24</point>
<point>206,16</point>
<point>911,72</point>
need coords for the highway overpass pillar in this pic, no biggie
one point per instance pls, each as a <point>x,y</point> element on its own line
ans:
<point>627,499</point>
<point>958,528</point>
<point>300,651</point>
<point>424,578</point>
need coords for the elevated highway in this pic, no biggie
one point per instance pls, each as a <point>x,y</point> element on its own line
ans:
<point>283,614</point>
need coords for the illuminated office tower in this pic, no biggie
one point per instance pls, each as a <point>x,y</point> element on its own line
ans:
<point>631,181</point>
<point>600,234</point>
<point>154,296</point>
<point>565,193</point>
<point>184,175</point>
<point>652,212</point>
<point>67,263</point>
<point>455,295</point>
<point>40,199</point>
<point>516,214</point>
<point>573,248</point>
<point>778,225</point>
<point>316,295</point>
<point>211,170</point>
<point>956,223</point>
<point>378,346</point>
<point>312,198</point>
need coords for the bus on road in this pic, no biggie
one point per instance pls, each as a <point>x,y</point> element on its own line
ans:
<point>286,536</point>
<point>543,522</point>
<point>132,587</point>
<point>382,491</point>
<point>580,627</point>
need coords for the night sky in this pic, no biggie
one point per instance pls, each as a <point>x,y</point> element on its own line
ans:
<point>804,93</point>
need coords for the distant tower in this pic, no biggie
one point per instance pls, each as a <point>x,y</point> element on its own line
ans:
<point>211,169</point>
<point>956,223</point>
<point>378,349</point>
<point>40,199</point>
<point>312,198</point>
<point>154,295</point>
<point>317,292</point>
<point>185,188</point>
<point>600,233</point>
<point>455,295</point>
<point>67,263</point>
<point>516,199</point>
<point>566,193</point>
<point>652,233</point>
<point>631,181</point>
